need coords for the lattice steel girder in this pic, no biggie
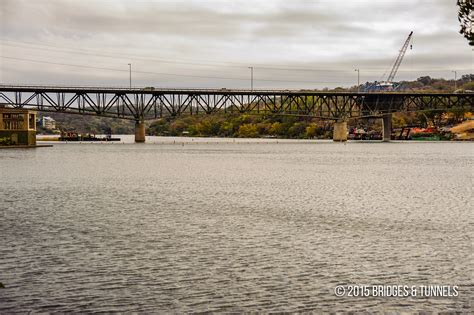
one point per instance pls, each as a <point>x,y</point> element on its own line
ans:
<point>139,104</point>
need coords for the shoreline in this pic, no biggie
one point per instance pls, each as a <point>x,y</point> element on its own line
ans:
<point>26,146</point>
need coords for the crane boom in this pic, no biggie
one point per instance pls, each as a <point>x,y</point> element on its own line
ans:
<point>399,59</point>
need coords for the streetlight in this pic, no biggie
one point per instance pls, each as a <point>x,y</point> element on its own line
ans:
<point>455,79</point>
<point>358,79</point>
<point>130,72</point>
<point>251,78</point>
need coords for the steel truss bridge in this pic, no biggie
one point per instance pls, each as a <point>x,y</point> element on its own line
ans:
<point>149,103</point>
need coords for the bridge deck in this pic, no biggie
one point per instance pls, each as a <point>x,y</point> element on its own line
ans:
<point>222,91</point>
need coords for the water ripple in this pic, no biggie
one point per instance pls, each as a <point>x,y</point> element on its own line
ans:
<point>233,227</point>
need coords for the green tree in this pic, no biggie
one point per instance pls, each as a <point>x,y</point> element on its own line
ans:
<point>177,127</point>
<point>297,129</point>
<point>248,131</point>
<point>399,120</point>
<point>311,130</point>
<point>244,119</point>
<point>285,127</point>
<point>457,113</point>
<point>215,125</point>
<point>159,127</point>
<point>226,129</point>
<point>193,130</point>
<point>209,126</point>
<point>425,80</point>
<point>468,86</point>
<point>466,18</point>
<point>263,128</point>
<point>276,129</point>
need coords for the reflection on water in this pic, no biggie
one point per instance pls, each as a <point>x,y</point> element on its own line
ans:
<point>222,225</point>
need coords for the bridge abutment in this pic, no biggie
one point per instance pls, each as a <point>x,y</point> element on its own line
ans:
<point>139,131</point>
<point>340,131</point>
<point>387,127</point>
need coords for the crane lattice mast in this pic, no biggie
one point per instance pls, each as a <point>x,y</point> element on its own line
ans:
<point>399,59</point>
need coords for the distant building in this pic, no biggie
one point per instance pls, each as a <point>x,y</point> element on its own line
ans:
<point>17,126</point>
<point>48,123</point>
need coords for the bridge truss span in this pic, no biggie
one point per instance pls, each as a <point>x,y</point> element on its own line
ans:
<point>148,104</point>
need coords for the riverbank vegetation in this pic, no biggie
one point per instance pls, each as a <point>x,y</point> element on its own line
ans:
<point>290,127</point>
<point>242,126</point>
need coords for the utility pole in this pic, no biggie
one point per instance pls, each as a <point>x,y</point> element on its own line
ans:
<point>455,80</point>
<point>358,79</point>
<point>251,78</point>
<point>130,72</point>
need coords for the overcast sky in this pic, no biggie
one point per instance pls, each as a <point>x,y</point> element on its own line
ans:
<point>211,43</point>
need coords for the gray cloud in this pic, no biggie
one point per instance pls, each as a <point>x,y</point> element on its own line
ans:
<point>227,37</point>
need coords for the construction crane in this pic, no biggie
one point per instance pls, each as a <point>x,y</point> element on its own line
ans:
<point>388,85</point>
<point>403,51</point>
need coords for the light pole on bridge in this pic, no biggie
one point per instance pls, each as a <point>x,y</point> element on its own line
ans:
<point>455,80</point>
<point>358,79</point>
<point>130,74</point>
<point>251,78</point>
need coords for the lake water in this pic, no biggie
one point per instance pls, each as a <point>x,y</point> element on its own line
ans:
<point>197,225</point>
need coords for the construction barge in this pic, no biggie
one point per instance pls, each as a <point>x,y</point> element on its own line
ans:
<point>73,136</point>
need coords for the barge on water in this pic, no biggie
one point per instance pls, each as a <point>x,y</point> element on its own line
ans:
<point>73,136</point>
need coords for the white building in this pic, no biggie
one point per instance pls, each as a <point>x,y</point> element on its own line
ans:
<point>48,123</point>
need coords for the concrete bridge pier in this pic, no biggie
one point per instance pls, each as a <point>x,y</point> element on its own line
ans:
<point>387,127</point>
<point>139,131</point>
<point>340,131</point>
